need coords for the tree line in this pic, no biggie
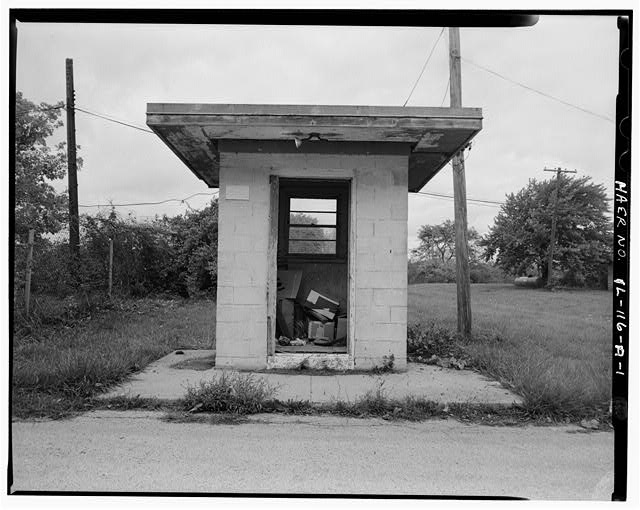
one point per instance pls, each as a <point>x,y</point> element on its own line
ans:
<point>518,242</point>
<point>179,254</point>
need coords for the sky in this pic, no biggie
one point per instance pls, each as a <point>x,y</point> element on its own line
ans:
<point>119,68</point>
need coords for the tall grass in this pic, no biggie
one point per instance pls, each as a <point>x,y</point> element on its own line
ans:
<point>230,392</point>
<point>54,366</point>
<point>553,348</point>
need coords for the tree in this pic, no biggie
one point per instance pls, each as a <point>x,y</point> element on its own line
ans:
<point>439,242</point>
<point>37,204</point>
<point>519,239</point>
<point>433,261</point>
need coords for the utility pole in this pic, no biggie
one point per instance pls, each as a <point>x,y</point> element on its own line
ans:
<point>27,285</point>
<point>459,194</point>
<point>552,241</point>
<point>110,266</point>
<point>74,222</point>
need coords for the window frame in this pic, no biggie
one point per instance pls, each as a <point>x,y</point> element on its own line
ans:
<point>310,189</point>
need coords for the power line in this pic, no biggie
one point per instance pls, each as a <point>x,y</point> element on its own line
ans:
<point>474,201</point>
<point>424,66</point>
<point>183,200</point>
<point>38,109</point>
<point>114,120</point>
<point>445,91</point>
<point>549,96</point>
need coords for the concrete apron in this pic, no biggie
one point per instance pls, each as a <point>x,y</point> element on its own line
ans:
<point>165,379</point>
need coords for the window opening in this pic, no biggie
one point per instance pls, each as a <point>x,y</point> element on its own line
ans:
<point>312,226</point>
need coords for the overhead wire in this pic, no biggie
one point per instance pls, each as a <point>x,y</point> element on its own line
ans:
<point>38,109</point>
<point>532,89</point>
<point>446,91</point>
<point>424,66</point>
<point>181,200</point>
<point>111,119</point>
<point>440,196</point>
<point>475,201</point>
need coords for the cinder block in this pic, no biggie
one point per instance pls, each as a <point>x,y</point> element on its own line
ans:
<point>225,228</point>
<point>239,312</point>
<point>242,242</point>
<point>241,362</point>
<point>382,332</point>
<point>397,279</point>
<point>365,261</point>
<point>389,297</point>
<point>224,293</point>
<point>397,333</point>
<point>384,259</point>
<point>225,333</point>
<point>375,279</point>
<point>373,209</point>
<point>388,227</point>
<point>237,208</point>
<point>260,210</point>
<point>365,246</point>
<point>364,296</point>
<point>400,209</point>
<point>250,295</point>
<point>364,229</point>
<point>398,314</point>
<point>400,258</point>
<point>246,260</point>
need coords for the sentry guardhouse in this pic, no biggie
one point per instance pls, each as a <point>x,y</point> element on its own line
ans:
<point>312,235</point>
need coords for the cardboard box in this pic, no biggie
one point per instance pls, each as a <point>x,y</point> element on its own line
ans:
<point>285,317</point>
<point>289,284</point>
<point>323,315</point>
<point>319,330</point>
<point>318,301</point>
<point>341,329</point>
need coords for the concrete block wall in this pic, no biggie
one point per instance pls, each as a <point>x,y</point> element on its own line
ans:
<point>243,227</point>
<point>379,195</point>
<point>381,203</point>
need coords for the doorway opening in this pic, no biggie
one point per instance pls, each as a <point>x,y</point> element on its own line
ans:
<point>312,305</point>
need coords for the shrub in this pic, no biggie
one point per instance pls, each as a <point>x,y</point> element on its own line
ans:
<point>426,340</point>
<point>175,255</point>
<point>436,271</point>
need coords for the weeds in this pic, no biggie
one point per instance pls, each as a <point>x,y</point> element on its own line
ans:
<point>387,365</point>
<point>60,367</point>
<point>230,392</point>
<point>433,344</point>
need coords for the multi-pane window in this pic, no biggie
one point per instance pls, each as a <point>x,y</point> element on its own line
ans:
<point>313,225</point>
<point>313,220</point>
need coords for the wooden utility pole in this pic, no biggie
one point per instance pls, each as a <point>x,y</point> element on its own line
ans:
<point>27,283</point>
<point>74,222</point>
<point>459,194</point>
<point>110,266</point>
<point>552,241</point>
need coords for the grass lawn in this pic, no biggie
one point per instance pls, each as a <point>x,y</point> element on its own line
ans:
<point>553,348</point>
<point>58,365</point>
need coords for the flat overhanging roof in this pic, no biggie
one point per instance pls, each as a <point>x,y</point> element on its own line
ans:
<point>432,135</point>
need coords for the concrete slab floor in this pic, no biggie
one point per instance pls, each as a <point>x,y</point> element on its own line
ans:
<point>163,379</point>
